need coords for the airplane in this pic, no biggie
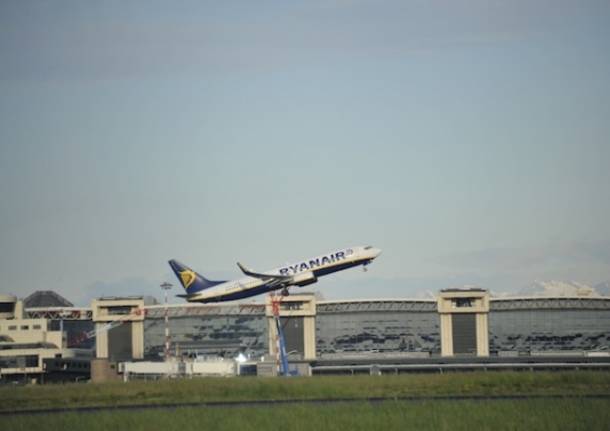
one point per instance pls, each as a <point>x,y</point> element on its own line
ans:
<point>200,289</point>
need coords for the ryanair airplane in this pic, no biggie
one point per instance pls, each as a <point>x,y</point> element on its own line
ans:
<point>200,289</point>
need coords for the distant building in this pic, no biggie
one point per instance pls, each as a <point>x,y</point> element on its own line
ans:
<point>46,298</point>
<point>458,323</point>
<point>28,343</point>
<point>522,325</point>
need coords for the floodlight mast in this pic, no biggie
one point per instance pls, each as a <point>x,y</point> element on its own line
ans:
<point>166,286</point>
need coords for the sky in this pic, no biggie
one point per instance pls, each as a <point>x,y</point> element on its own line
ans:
<point>470,140</point>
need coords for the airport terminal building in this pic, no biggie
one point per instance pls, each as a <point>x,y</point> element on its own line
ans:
<point>459,323</point>
<point>518,326</point>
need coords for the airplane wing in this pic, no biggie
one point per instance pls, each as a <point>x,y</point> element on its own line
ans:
<point>275,277</point>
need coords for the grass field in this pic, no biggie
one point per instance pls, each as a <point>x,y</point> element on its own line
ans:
<point>576,414</point>
<point>546,413</point>
<point>253,388</point>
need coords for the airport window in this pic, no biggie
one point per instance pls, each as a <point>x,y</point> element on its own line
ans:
<point>31,361</point>
<point>113,311</point>
<point>36,327</point>
<point>12,328</point>
<point>462,302</point>
<point>24,327</point>
<point>7,307</point>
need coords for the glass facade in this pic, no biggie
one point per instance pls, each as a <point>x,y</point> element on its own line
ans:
<point>549,330</point>
<point>368,327</point>
<point>76,333</point>
<point>377,332</point>
<point>21,361</point>
<point>215,335</point>
<point>360,327</point>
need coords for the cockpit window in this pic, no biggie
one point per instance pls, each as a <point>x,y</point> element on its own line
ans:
<point>368,247</point>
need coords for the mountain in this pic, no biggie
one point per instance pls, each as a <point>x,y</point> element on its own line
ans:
<point>603,288</point>
<point>559,288</point>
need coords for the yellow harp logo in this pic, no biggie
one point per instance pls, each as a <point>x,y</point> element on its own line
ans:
<point>187,277</point>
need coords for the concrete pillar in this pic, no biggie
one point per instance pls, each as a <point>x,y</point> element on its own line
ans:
<point>112,312</point>
<point>482,335</point>
<point>471,301</point>
<point>309,336</point>
<point>19,310</point>
<point>303,306</point>
<point>101,341</point>
<point>446,335</point>
<point>137,339</point>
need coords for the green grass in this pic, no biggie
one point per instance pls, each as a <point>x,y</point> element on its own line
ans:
<point>497,415</point>
<point>252,388</point>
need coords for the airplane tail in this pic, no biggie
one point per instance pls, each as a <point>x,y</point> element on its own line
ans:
<point>190,280</point>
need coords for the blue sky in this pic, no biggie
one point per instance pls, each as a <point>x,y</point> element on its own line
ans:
<point>468,140</point>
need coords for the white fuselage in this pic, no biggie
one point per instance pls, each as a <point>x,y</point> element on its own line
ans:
<point>309,269</point>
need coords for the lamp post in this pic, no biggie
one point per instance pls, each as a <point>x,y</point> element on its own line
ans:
<point>166,286</point>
